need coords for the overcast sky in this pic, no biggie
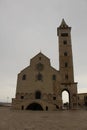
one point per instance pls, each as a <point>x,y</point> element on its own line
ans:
<point>30,26</point>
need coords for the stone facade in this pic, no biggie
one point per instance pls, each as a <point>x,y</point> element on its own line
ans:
<point>82,100</point>
<point>40,86</point>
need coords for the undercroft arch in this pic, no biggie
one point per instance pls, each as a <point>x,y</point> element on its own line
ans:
<point>34,107</point>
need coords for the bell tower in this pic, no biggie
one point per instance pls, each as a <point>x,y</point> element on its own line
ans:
<point>66,63</point>
<point>65,53</point>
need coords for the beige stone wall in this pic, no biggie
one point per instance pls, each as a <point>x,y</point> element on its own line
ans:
<point>32,84</point>
<point>47,86</point>
<point>82,100</point>
<point>41,76</point>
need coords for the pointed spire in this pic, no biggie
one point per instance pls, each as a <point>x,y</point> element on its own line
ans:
<point>63,24</point>
<point>40,51</point>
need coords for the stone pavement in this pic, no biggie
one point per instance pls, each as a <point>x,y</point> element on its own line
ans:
<point>40,120</point>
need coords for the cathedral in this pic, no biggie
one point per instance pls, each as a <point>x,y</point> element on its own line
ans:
<point>40,86</point>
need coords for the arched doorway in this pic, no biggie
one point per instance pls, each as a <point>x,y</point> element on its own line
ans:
<point>34,107</point>
<point>65,99</point>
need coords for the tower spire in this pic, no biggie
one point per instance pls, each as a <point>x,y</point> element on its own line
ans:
<point>63,24</point>
<point>65,52</point>
<point>66,63</point>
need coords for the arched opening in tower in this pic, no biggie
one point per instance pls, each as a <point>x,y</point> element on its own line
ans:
<point>65,99</point>
<point>34,107</point>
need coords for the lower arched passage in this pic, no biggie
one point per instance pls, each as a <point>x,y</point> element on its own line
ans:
<point>65,99</point>
<point>34,107</point>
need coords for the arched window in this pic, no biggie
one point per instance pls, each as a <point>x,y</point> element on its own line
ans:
<point>38,95</point>
<point>66,64</point>
<point>39,76</point>
<point>24,77</point>
<point>22,107</point>
<point>54,77</point>
<point>39,58</point>
<point>65,54</point>
<point>54,98</point>
<point>66,76</point>
<point>64,42</point>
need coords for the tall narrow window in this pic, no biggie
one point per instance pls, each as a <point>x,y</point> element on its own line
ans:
<point>38,95</point>
<point>39,76</point>
<point>46,108</point>
<point>64,42</point>
<point>39,58</point>
<point>66,64</point>
<point>66,76</point>
<point>54,77</point>
<point>22,107</point>
<point>65,53</point>
<point>24,77</point>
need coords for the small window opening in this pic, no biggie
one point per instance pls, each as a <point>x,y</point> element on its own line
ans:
<point>65,42</point>
<point>24,77</point>
<point>39,58</point>
<point>38,95</point>
<point>64,34</point>
<point>66,76</point>
<point>85,98</point>
<point>66,64</point>
<point>39,77</point>
<point>54,98</point>
<point>22,107</point>
<point>54,77</point>
<point>65,53</point>
<point>22,97</point>
<point>46,108</point>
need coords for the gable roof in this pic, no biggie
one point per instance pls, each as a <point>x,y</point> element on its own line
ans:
<point>40,54</point>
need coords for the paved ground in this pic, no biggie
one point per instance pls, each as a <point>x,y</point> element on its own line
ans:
<point>34,120</point>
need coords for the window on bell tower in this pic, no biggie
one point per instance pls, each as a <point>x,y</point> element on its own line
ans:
<point>65,54</point>
<point>65,42</point>
<point>66,64</point>
<point>64,34</point>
